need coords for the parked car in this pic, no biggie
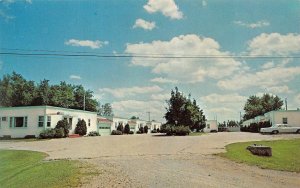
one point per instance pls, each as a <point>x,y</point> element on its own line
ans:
<point>280,128</point>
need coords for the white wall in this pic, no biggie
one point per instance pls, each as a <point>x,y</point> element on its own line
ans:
<point>211,125</point>
<point>33,112</point>
<point>293,117</point>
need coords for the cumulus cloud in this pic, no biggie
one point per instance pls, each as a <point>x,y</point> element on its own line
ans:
<point>161,97</point>
<point>215,98</point>
<point>268,65</point>
<point>75,77</point>
<point>258,24</point>
<point>163,80</point>
<point>140,23</point>
<point>86,43</point>
<point>297,99</point>
<point>274,44</point>
<point>279,90</point>
<point>263,78</point>
<point>186,70</point>
<point>204,3</point>
<point>128,108</point>
<point>167,7</point>
<point>131,91</point>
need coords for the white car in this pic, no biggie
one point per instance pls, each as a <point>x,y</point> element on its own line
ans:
<point>280,128</point>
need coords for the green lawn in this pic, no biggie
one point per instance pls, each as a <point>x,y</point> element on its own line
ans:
<point>286,154</point>
<point>27,169</point>
<point>196,134</point>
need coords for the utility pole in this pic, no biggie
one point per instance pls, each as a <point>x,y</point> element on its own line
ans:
<point>149,115</point>
<point>84,101</point>
<point>286,104</point>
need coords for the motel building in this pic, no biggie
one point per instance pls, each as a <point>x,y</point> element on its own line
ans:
<point>289,117</point>
<point>18,122</point>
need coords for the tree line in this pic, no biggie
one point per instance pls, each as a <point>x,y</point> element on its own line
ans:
<point>15,90</point>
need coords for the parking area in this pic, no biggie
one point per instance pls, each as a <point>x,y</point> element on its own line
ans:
<point>160,161</point>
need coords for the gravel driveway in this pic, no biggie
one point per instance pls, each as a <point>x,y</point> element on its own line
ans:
<point>159,161</point>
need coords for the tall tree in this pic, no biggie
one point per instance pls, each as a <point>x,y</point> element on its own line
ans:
<point>106,110</point>
<point>182,111</point>
<point>256,106</point>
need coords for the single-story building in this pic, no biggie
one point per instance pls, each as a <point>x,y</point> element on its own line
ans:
<point>17,122</point>
<point>290,117</point>
<point>211,126</point>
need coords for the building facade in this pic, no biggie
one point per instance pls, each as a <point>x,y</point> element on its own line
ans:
<point>18,122</point>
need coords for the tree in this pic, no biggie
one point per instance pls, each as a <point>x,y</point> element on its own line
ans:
<point>127,129</point>
<point>183,111</point>
<point>146,129</point>
<point>81,128</point>
<point>42,93</point>
<point>120,127</point>
<point>65,125</point>
<point>256,106</point>
<point>106,110</point>
<point>134,117</point>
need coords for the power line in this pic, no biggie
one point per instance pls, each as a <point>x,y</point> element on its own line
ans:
<point>146,56</point>
<point>55,53</point>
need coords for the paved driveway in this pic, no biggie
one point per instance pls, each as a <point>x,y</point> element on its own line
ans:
<point>159,161</point>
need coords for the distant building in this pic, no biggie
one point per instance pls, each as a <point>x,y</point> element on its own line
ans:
<point>211,126</point>
<point>290,117</point>
<point>18,122</point>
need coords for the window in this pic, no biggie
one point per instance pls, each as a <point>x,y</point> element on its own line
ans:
<point>41,121</point>
<point>208,126</point>
<point>18,122</point>
<point>70,123</point>
<point>4,119</point>
<point>285,120</point>
<point>89,122</point>
<point>48,121</point>
<point>116,125</point>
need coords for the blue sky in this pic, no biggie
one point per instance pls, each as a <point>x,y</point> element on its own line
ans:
<point>164,28</point>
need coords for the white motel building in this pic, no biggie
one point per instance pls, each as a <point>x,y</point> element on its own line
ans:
<point>18,122</point>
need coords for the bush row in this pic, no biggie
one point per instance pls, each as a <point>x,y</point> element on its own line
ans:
<point>255,127</point>
<point>175,130</point>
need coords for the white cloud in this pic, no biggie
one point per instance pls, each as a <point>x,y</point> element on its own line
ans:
<point>132,91</point>
<point>161,97</point>
<point>75,77</point>
<point>266,78</point>
<point>86,43</point>
<point>163,80</point>
<point>274,44</point>
<point>166,7</point>
<point>215,98</point>
<point>128,108</point>
<point>297,100</point>
<point>28,1</point>
<point>268,65</point>
<point>258,24</point>
<point>279,89</point>
<point>204,3</point>
<point>186,70</point>
<point>5,16</point>
<point>140,23</point>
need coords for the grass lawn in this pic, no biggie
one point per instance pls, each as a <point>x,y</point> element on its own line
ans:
<point>285,154</point>
<point>27,169</point>
<point>196,134</point>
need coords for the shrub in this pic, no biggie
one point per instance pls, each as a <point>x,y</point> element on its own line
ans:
<point>126,129</point>
<point>139,132</point>
<point>120,127</point>
<point>94,133</point>
<point>157,130</point>
<point>116,132</point>
<point>81,128</point>
<point>131,132</point>
<point>153,131</point>
<point>29,136</point>
<point>65,125</point>
<point>141,129</point>
<point>181,130</point>
<point>146,129</point>
<point>48,133</point>
<point>59,133</point>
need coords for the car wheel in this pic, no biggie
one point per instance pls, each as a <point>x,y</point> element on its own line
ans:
<point>275,132</point>
<point>298,131</point>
